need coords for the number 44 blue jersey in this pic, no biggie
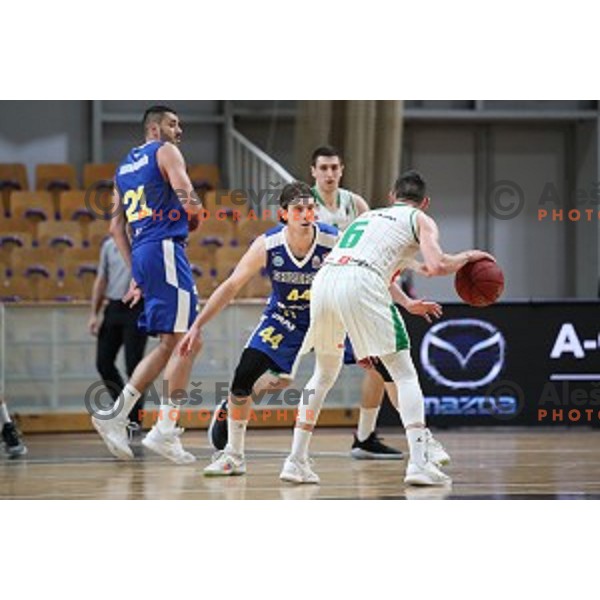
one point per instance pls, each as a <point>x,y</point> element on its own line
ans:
<point>286,319</point>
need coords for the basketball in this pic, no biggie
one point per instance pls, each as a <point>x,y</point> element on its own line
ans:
<point>480,283</point>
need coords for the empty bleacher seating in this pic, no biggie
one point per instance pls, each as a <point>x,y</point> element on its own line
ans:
<point>204,177</point>
<point>56,177</point>
<point>50,237</point>
<point>13,177</point>
<point>99,175</point>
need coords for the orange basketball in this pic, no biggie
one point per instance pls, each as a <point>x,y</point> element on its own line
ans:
<point>480,283</point>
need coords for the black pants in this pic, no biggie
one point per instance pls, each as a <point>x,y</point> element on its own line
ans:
<point>119,328</point>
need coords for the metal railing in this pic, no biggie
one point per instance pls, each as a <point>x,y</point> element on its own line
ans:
<point>255,172</point>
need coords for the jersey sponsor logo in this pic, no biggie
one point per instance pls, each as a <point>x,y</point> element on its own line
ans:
<point>463,353</point>
<point>293,277</point>
<point>135,166</point>
<point>278,261</point>
<point>316,262</point>
<point>283,321</point>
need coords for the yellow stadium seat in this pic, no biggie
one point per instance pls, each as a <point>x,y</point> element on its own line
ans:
<point>14,289</point>
<point>248,230</point>
<point>13,177</point>
<point>224,201</point>
<point>57,233</point>
<point>219,233</point>
<point>59,177</point>
<point>95,233</point>
<point>9,243</point>
<point>14,225</point>
<point>36,206</point>
<point>99,175</point>
<point>204,177</point>
<point>72,206</point>
<point>26,261</point>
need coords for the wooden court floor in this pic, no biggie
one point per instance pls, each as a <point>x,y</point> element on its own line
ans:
<point>487,463</point>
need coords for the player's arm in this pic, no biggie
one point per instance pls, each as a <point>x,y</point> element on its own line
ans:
<point>437,262</point>
<point>118,227</point>
<point>415,306</point>
<point>172,166</point>
<point>249,266</point>
<point>360,204</point>
<point>98,291</point>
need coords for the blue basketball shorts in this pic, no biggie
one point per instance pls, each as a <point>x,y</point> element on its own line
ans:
<point>162,271</point>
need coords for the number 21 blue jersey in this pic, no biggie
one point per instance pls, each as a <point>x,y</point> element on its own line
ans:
<point>152,208</point>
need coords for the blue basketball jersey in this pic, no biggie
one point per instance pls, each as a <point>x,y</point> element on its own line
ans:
<point>152,208</point>
<point>286,319</point>
<point>292,277</point>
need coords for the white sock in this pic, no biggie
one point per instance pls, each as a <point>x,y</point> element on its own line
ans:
<point>4,416</point>
<point>367,421</point>
<point>416,444</point>
<point>236,431</point>
<point>300,443</point>
<point>130,396</point>
<point>167,420</point>
<point>410,402</point>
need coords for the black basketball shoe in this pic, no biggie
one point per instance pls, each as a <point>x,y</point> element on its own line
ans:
<point>374,449</point>
<point>12,442</point>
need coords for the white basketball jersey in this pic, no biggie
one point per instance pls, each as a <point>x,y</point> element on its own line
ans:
<point>384,240</point>
<point>344,213</point>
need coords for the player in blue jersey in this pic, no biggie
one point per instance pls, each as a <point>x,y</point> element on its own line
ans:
<point>292,254</point>
<point>155,195</point>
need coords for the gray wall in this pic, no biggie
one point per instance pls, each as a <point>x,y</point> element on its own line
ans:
<point>33,132</point>
<point>541,259</point>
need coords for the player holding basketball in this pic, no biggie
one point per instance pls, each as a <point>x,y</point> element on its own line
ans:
<point>339,207</point>
<point>350,296</point>
<point>152,186</point>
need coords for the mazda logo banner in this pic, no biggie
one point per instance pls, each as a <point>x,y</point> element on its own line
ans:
<point>521,363</point>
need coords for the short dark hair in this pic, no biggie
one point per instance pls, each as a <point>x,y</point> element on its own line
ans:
<point>291,191</point>
<point>155,114</point>
<point>410,186</point>
<point>327,151</point>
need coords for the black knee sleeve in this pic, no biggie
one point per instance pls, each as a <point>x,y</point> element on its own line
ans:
<point>252,366</point>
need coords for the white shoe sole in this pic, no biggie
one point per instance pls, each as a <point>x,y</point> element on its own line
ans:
<point>422,479</point>
<point>19,451</point>
<point>289,478</point>
<point>120,452</point>
<point>158,449</point>
<point>360,454</point>
<point>232,473</point>
<point>292,475</point>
